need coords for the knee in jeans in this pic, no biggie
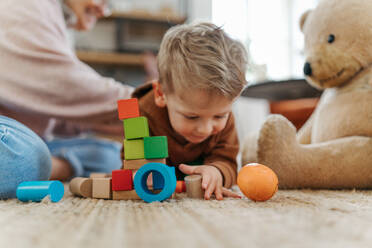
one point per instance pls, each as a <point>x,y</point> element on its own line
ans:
<point>44,161</point>
<point>24,158</point>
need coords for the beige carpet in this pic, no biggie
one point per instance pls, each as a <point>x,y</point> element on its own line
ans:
<point>290,219</point>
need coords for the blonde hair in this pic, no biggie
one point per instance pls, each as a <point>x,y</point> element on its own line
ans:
<point>201,56</point>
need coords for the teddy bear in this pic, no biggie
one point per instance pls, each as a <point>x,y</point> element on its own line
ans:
<point>333,150</point>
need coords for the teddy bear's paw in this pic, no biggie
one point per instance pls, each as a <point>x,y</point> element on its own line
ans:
<point>276,144</point>
<point>277,132</point>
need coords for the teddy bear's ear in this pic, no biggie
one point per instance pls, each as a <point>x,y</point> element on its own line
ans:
<point>303,19</point>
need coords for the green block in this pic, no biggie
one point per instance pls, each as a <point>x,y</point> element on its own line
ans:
<point>156,147</point>
<point>134,149</point>
<point>135,128</point>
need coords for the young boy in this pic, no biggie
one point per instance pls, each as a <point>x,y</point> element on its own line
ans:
<point>201,73</point>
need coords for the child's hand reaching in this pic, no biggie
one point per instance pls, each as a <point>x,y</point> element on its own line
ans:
<point>211,182</point>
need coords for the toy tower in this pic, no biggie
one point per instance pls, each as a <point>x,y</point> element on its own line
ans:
<point>144,154</point>
<point>139,149</point>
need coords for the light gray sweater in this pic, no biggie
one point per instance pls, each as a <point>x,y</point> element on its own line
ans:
<point>41,77</point>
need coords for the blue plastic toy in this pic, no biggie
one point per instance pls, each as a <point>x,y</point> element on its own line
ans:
<point>37,190</point>
<point>169,182</point>
<point>157,180</point>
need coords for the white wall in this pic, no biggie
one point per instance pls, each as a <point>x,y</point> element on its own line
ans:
<point>199,10</point>
<point>148,5</point>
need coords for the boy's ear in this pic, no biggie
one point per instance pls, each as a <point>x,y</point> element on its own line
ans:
<point>159,96</point>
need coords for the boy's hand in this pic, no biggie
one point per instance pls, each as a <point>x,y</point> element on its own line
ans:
<point>212,180</point>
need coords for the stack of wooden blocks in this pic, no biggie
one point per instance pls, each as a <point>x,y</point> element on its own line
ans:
<point>139,149</point>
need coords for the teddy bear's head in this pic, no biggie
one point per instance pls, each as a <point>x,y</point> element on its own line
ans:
<point>338,41</point>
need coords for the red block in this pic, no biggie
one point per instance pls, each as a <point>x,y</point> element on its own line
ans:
<point>122,180</point>
<point>128,108</point>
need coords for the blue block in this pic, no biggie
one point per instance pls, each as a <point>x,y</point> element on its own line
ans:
<point>36,191</point>
<point>167,173</point>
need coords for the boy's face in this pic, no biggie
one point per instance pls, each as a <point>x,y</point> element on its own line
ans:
<point>195,115</point>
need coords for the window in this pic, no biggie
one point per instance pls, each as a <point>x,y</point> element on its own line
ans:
<point>270,31</point>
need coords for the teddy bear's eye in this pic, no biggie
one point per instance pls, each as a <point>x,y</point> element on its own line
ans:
<point>331,38</point>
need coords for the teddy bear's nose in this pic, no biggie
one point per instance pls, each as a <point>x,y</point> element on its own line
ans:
<point>307,69</point>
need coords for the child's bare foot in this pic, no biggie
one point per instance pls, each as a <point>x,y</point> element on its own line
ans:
<point>61,169</point>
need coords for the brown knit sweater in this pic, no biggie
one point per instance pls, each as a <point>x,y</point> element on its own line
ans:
<point>219,150</point>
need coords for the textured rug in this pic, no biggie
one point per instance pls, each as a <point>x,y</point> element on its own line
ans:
<point>289,219</point>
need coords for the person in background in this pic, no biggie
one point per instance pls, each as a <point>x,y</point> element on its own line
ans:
<point>45,87</point>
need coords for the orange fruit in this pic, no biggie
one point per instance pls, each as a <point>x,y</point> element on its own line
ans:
<point>257,182</point>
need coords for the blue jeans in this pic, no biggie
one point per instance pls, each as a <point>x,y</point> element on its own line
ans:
<point>25,157</point>
<point>87,155</point>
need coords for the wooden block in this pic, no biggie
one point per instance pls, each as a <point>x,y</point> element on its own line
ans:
<point>99,175</point>
<point>102,188</point>
<point>128,108</point>
<point>138,163</point>
<point>194,186</point>
<point>156,147</point>
<point>125,195</point>
<point>122,180</point>
<point>134,149</point>
<point>81,186</point>
<point>136,128</point>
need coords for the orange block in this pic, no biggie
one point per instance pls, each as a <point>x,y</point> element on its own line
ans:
<point>180,187</point>
<point>128,108</point>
